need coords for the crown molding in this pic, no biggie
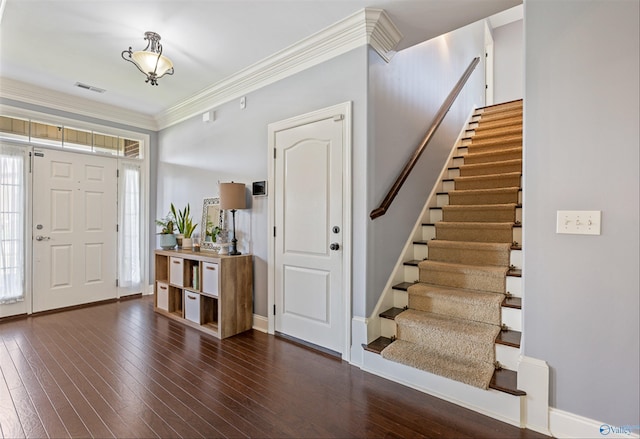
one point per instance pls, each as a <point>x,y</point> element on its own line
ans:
<point>32,94</point>
<point>367,26</point>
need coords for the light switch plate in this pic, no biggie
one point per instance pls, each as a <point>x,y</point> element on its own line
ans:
<point>579,222</point>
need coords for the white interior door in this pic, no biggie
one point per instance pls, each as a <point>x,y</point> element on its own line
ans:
<point>308,176</point>
<point>74,229</point>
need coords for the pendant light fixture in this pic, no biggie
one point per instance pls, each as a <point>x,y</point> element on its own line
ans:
<point>150,61</point>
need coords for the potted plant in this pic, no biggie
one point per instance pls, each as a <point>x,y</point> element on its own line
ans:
<point>167,238</point>
<point>184,223</point>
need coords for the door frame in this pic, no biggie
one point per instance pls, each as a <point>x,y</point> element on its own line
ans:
<point>49,118</point>
<point>344,109</point>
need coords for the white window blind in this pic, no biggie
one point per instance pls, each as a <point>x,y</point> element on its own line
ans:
<point>12,219</point>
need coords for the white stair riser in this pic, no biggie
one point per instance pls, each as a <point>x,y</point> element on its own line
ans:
<point>512,318</point>
<point>400,299</point>
<point>388,328</point>
<point>420,252</point>
<point>457,161</point>
<point>448,186</point>
<point>514,286</point>
<point>435,215</point>
<point>508,356</point>
<point>517,235</point>
<point>453,173</point>
<point>428,232</point>
<point>411,273</point>
<point>443,199</point>
<point>516,258</point>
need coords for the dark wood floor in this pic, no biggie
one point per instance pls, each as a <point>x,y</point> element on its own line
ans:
<point>120,370</point>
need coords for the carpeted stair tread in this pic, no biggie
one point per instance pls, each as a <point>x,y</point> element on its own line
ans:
<point>505,195</point>
<point>465,276</point>
<point>491,168</point>
<point>468,371</point>
<point>475,231</point>
<point>502,106</point>
<point>493,156</point>
<point>498,123</point>
<point>477,306</point>
<point>469,253</point>
<point>480,213</point>
<point>495,181</point>
<point>502,131</point>
<point>488,147</point>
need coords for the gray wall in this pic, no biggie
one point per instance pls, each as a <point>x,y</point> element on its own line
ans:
<point>404,97</point>
<point>581,308</point>
<point>508,64</point>
<point>194,156</point>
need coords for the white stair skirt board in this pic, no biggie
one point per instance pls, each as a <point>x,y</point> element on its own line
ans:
<point>533,378</point>
<point>497,405</point>
<point>567,425</point>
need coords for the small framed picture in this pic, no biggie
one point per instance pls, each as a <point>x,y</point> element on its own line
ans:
<point>259,188</point>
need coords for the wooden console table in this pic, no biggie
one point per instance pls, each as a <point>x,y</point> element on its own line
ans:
<point>207,291</point>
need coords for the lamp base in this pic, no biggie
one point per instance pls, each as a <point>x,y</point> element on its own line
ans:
<point>233,249</point>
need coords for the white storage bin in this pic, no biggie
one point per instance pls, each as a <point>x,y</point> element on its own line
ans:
<point>210,272</point>
<point>162,293</point>
<point>192,306</point>
<point>176,271</point>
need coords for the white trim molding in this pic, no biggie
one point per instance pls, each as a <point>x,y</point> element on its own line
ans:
<point>568,425</point>
<point>367,26</point>
<point>35,95</point>
<point>260,323</point>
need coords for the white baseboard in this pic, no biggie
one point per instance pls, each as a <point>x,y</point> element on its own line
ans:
<point>260,323</point>
<point>568,425</point>
<point>358,338</point>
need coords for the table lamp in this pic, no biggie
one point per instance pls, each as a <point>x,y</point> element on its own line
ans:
<point>232,197</point>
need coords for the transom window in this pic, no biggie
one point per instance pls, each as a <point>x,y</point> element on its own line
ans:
<point>65,137</point>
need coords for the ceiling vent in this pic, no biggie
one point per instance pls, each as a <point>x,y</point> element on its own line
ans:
<point>89,87</point>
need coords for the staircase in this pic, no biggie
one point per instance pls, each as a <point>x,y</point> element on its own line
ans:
<point>454,308</point>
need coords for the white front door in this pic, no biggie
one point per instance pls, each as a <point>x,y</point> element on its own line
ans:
<point>74,229</point>
<point>308,217</point>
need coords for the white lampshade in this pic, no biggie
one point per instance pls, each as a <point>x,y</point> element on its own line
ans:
<point>232,196</point>
<point>147,62</point>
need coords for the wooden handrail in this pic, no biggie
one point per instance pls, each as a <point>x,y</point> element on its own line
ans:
<point>444,109</point>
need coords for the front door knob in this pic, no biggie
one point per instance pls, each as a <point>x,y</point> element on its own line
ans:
<point>334,246</point>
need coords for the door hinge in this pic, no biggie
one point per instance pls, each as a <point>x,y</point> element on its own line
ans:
<point>274,153</point>
<point>117,282</point>
<point>30,162</point>
<point>338,117</point>
<point>117,227</point>
<point>274,231</point>
<point>117,173</point>
<point>274,310</point>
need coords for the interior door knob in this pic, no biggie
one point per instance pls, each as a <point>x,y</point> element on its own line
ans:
<point>334,246</point>
<point>42,238</point>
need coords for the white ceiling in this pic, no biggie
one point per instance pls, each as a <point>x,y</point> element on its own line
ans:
<point>55,43</point>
